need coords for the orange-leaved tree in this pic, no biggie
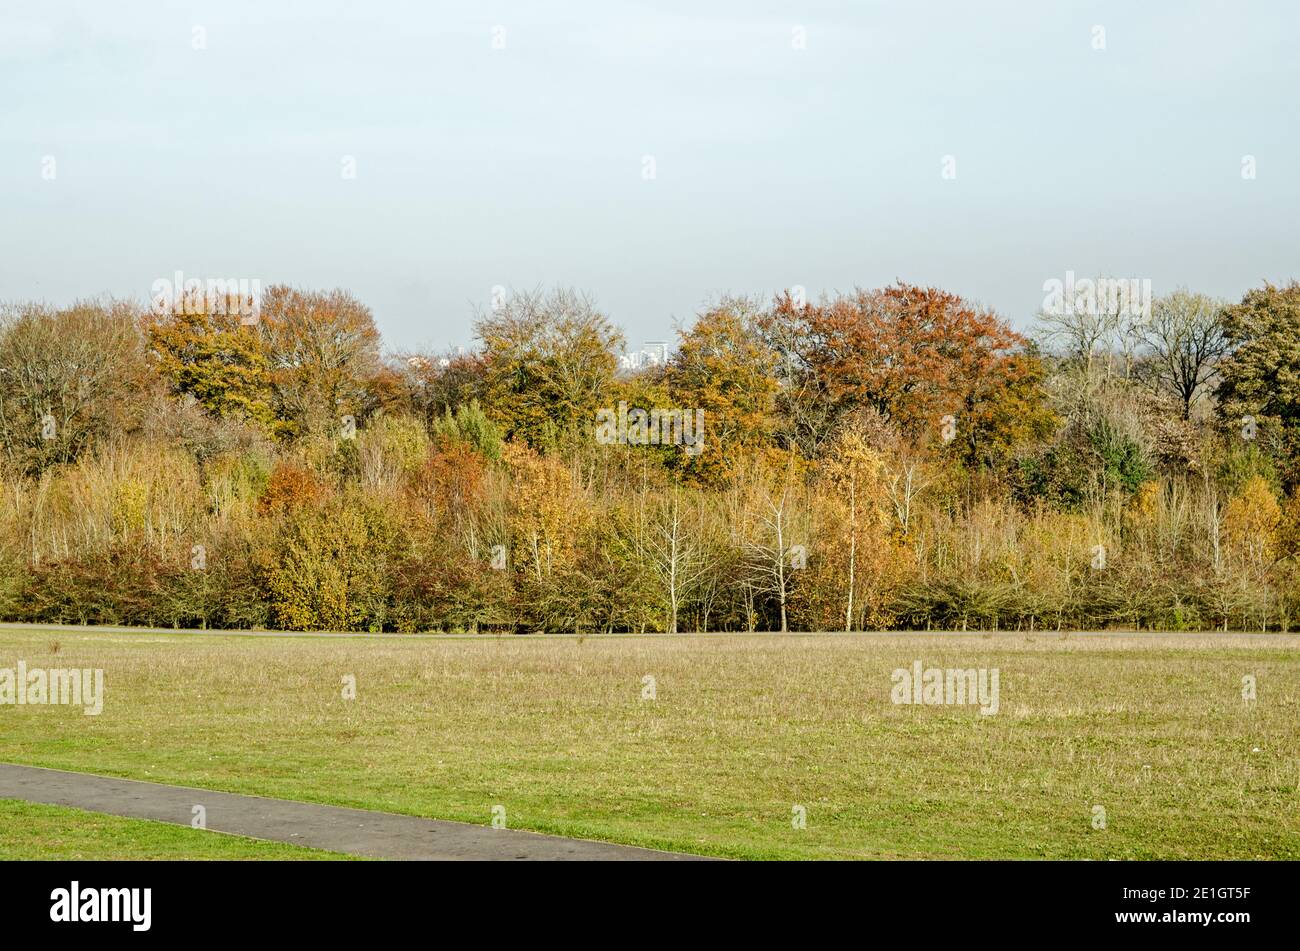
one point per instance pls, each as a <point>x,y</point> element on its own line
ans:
<point>932,364</point>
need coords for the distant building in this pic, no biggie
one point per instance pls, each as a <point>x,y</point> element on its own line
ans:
<point>653,353</point>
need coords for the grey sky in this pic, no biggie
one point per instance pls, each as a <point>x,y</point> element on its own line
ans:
<point>774,166</point>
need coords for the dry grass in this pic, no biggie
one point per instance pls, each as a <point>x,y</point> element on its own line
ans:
<point>1154,729</point>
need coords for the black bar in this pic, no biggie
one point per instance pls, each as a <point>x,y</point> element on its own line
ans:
<point>635,902</point>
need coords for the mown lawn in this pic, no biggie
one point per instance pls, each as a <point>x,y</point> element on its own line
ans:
<point>36,831</point>
<point>741,730</point>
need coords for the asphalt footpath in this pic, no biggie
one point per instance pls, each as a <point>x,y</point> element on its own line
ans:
<point>380,835</point>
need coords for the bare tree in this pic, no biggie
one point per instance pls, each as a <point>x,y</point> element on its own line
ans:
<point>1130,331</point>
<point>768,553</point>
<point>675,557</point>
<point>1080,332</point>
<point>906,475</point>
<point>1186,339</point>
<point>806,414</point>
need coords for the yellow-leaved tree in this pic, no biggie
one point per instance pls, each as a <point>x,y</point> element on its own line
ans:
<point>1251,522</point>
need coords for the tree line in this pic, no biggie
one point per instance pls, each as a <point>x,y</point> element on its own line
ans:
<point>896,457</point>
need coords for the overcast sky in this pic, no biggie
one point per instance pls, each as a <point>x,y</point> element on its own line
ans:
<point>506,143</point>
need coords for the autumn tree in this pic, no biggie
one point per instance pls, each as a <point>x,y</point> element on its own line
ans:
<point>723,368</point>
<point>853,471</point>
<point>448,577</point>
<point>215,356</point>
<point>69,378</point>
<point>290,486</point>
<point>331,568</point>
<point>932,364</point>
<point>433,384</point>
<point>549,359</point>
<point>1252,522</point>
<point>547,514</point>
<point>323,357</point>
<point>640,394</point>
<point>1261,376</point>
<point>613,578</point>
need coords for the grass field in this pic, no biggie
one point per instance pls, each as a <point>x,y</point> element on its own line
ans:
<point>37,831</point>
<point>741,730</point>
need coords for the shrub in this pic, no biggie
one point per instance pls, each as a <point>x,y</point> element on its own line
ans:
<point>329,569</point>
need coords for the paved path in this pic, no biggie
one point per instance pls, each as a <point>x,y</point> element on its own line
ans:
<point>354,831</point>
